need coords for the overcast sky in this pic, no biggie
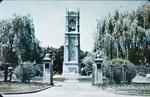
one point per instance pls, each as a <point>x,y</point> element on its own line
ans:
<point>49,17</point>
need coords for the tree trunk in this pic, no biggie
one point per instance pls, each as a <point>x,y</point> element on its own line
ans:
<point>111,51</point>
<point>6,74</point>
<point>10,77</point>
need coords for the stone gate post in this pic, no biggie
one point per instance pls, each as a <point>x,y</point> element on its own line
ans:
<point>97,72</point>
<point>47,70</point>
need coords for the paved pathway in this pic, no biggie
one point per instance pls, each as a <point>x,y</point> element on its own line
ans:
<point>71,90</point>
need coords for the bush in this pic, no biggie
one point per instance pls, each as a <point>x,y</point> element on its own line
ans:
<point>87,64</point>
<point>25,71</point>
<point>117,70</point>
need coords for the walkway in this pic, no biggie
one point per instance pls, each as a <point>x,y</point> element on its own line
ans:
<point>71,90</point>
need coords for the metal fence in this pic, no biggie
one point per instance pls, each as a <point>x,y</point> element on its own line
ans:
<point>142,69</point>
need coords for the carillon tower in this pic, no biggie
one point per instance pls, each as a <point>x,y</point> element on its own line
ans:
<point>72,43</point>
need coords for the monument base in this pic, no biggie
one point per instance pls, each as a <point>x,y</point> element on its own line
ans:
<point>70,67</point>
<point>71,77</point>
<point>70,72</point>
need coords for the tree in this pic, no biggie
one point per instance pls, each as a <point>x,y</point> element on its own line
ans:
<point>58,62</point>
<point>27,46</point>
<point>87,62</point>
<point>56,54</point>
<point>18,42</point>
<point>8,56</point>
<point>125,35</point>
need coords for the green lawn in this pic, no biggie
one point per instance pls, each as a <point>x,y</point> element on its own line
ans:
<point>134,89</point>
<point>20,87</point>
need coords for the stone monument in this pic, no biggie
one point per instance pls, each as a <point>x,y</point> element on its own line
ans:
<point>72,44</point>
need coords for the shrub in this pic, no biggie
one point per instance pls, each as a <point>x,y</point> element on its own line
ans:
<point>87,62</point>
<point>25,71</point>
<point>117,70</point>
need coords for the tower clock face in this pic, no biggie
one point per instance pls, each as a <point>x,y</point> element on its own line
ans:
<point>72,25</point>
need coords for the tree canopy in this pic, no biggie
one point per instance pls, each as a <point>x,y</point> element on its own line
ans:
<point>125,35</point>
<point>18,42</point>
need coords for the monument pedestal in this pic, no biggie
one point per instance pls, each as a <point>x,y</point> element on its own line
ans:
<point>70,67</point>
<point>70,72</point>
<point>71,77</point>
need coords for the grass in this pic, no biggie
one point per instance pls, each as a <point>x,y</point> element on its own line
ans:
<point>20,87</point>
<point>85,79</point>
<point>59,79</point>
<point>133,89</point>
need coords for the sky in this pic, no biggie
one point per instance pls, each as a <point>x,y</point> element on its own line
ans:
<point>49,17</point>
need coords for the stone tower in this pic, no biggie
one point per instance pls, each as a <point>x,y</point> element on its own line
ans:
<point>72,43</point>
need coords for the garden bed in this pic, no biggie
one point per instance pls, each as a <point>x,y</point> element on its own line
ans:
<point>20,88</point>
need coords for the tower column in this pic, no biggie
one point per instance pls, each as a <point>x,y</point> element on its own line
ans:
<point>71,44</point>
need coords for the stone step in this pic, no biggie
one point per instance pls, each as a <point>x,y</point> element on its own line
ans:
<point>71,80</point>
<point>71,77</point>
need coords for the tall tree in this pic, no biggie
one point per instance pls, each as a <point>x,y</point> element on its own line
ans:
<point>125,35</point>
<point>56,54</point>
<point>18,42</point>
